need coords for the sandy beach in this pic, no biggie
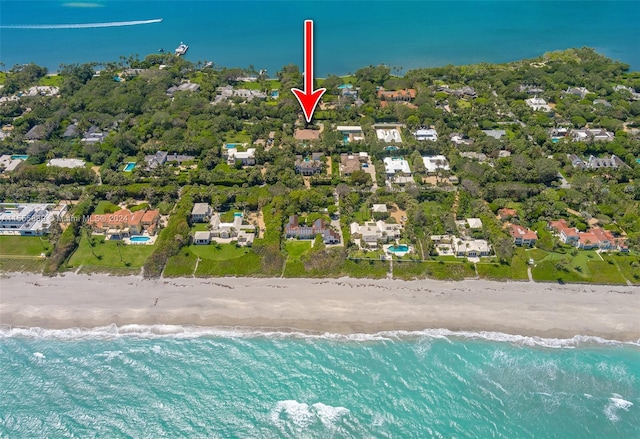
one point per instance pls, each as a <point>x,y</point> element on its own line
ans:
<point>322,305</point>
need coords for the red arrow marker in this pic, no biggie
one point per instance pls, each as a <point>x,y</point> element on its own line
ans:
<point>308,98</point>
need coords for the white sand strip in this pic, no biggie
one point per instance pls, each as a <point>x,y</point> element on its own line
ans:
<point>323,305</point>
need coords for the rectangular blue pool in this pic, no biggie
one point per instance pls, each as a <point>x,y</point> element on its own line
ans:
<point>129,167</point>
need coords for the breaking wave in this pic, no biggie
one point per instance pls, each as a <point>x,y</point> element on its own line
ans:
<point>189,332</point>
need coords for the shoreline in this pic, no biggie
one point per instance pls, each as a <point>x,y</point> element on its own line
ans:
<point>316,306</point>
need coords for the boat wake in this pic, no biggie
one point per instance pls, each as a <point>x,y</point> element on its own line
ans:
<point>82,25</point>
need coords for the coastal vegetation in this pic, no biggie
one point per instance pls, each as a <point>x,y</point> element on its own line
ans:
<point>502,154</point>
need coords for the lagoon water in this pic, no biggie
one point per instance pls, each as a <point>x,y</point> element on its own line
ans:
<point>349,34</point>
<point>190,382</point>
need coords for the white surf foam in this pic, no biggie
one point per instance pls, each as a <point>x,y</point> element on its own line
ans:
<point>615,404</point>
<point>301,415</point>
<point>329,415</point>
<point>82,25</point>
<point>187,331</point>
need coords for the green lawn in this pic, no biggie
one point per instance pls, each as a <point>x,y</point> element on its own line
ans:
<point>435,270</point>
<point>106,207</point>
<point>215,260</point>
<point>218,252</point>
<point>368,269</point>
<point>53,81</point>
<point>108,257</point>
<point>180,265</point>
<point>585,266</point>
<point>23,245</point>
<point>271,84</point>
<point>200,227</point>
<point>295,251</point>
<point>628,264</point>
<point>235,137</point>
<point>247,264</point>
<point>362,215</point>
<point>517,270</point>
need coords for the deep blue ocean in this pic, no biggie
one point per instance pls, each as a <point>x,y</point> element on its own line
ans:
<point>349,34</point>
<point>190,382</point>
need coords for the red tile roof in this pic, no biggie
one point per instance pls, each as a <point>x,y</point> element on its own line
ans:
<point>518,231</point>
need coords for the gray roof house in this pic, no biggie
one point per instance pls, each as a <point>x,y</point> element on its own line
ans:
<point>200,213</point>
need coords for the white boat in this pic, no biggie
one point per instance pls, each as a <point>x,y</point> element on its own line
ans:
<point>182,49</point>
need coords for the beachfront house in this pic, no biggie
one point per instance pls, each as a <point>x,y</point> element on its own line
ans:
<point>566,234</point>
<point>372,233</point>
<point>293,229</point>
<point>449,245</point>
<point>124,223</point>
<point>202,238</point>
<point>29,219</point>
<point>594,238</point>
<point>229,230</point>
<point>522,236</point>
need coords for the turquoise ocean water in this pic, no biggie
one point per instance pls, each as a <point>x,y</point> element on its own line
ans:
<point>190,382</point>
<point>349,34</point>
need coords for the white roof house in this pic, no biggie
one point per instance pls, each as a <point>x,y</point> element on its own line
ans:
<point>247,157</point>
<point>9,163</point>
<point>426,134</point>
<point>389,135</point>
<point>351,133</point>
<point>28,218</point>
<point>434,162</point>
<point>370,233</point>
<point>379,208</point>
<point>393,165</point>
<point>538,104</point>
<point>474,223</point>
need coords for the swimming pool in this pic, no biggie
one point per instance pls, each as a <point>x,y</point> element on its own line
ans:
<point>237,214</point>
<point>275,93</point>
<point>637,160</point>
<point>129,167</point>
<point>19,157</point>
<point>232,145</point>
<point>398,248</point>
<point>139,239</point>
